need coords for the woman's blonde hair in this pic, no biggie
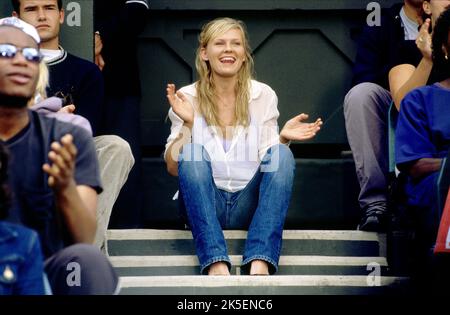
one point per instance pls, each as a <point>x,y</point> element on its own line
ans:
<point>40,93</point>
<point>205,85</point>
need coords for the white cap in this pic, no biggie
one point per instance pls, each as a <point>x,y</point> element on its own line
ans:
<point>22,25</point>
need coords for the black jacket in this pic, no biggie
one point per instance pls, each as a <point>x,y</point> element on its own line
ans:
<point>380,48</point>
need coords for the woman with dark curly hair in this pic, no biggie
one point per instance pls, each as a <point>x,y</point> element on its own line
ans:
<point>21,262</point>
<point>423,140</point>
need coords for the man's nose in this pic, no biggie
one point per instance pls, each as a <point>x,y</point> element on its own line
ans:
<point>41,14</point>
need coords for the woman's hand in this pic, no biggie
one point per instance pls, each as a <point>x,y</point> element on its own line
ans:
<point>68,109</point>
<point>423,40</point>
<point>297,129</point>
<point>98,44</point>
<point>180,104</point>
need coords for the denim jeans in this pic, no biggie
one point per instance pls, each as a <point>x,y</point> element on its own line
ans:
<point>260,207</point>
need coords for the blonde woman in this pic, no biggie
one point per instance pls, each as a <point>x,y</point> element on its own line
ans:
<point>234,169</point>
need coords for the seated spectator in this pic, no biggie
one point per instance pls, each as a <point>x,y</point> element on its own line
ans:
<point>54,175</point>
<point>80,84</point>
<point>235,171</point>
<point>416,69</point>
<point>21,261</point>
<point>366,106</point>
<point>423,140</point>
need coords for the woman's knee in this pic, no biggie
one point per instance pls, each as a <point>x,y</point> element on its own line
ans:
<point>279,158</point>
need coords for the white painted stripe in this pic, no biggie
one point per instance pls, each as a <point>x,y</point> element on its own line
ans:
<point>234,234</point>
<point>252,281</point>
<point>236,260</point>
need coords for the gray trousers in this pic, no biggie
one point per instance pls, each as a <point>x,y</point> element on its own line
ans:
<point>366,109</point>
<point>115,161</point>
<point>81,269</point>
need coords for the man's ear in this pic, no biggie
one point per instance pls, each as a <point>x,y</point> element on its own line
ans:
<point>61,16</point>
<point>15,14</point>
<point>426,7</point>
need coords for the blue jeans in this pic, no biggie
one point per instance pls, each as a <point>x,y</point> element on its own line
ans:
<point>260,207</point>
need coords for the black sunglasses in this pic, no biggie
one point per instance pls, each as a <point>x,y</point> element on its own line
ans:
<point>29,53</point>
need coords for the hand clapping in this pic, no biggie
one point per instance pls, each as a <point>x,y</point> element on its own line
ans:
<point>62,156</point>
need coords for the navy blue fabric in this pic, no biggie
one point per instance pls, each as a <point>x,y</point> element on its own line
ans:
<point>21,262</point>
<point>378,49</point>
<point>423,131</point>
<point>33,200</point>
<point>79,82</point>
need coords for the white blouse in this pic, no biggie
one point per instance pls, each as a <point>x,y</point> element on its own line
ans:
<point>232,170</point>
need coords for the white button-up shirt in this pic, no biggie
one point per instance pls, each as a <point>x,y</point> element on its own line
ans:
<point>233,169</point>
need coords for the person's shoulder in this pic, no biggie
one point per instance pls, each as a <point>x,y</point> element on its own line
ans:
<point>79,60</point>
<point>82,64</point>
<point>60,128</point>
<point>190,90</point>
<point>424,91</point>
<point>11,230</point>
<point>258,89</point>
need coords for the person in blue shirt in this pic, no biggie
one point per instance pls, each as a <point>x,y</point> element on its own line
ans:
<point>21,261</point>
<point>423,141</point>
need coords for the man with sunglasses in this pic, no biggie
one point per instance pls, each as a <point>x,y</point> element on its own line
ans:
<point>80,83</point>
<point>54,175</point>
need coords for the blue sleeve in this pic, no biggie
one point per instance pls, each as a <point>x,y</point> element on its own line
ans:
<point>413,139</point>
<point>31,275</point>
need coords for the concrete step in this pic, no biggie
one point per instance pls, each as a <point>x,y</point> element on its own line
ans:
<point>289,265</point>
<point>311,262</point>
<point>295,242</point>
<point>257,285</point>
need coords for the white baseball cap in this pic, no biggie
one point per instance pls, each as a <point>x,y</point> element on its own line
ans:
<point>22,25</point>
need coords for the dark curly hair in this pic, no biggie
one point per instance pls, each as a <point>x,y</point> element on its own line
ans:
<point>4,192</point>
<point>441,59</point>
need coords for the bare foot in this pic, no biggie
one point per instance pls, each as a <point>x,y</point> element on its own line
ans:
<point>218,269</point>
<point>259,268</point>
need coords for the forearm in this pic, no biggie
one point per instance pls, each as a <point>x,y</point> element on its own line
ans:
<point>424,167</point>
<point>79,218</point>
<point>418,78</point>
<point>174,149</point>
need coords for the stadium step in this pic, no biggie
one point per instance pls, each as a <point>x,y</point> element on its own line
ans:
<point>311,262</point>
